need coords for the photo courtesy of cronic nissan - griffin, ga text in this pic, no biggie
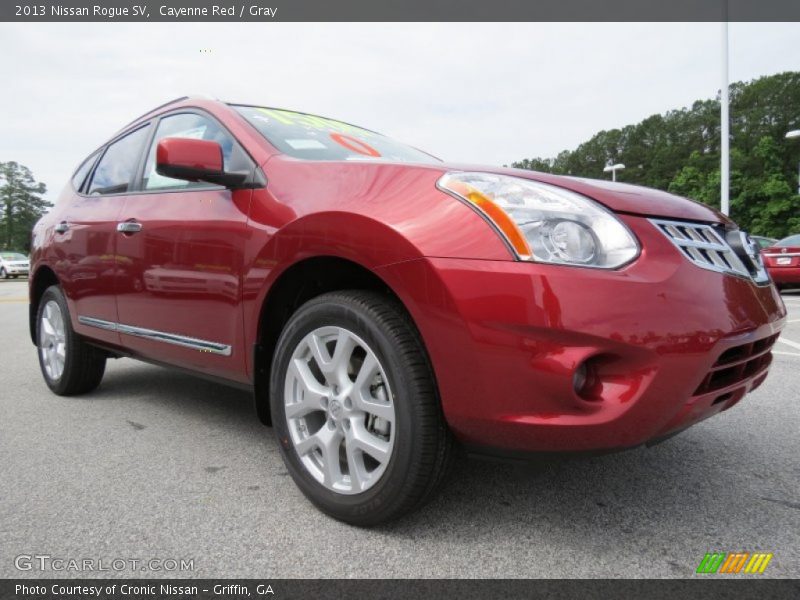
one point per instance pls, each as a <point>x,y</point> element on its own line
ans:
<point>384,306</point>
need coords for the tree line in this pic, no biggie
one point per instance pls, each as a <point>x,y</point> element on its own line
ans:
<point>21,203</point>
<point>679,151</point>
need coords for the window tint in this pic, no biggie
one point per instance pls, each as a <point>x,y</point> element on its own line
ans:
<point>115,171</point>
<point>83,171</point>
<point>317,138</point>
<point>199,127</point>
<point>792,240</point>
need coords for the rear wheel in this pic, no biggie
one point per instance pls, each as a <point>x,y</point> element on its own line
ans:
<point>355,408</point>
<point>69,365</point>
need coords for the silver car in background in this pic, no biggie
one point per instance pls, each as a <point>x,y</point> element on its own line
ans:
<point>13,264</point>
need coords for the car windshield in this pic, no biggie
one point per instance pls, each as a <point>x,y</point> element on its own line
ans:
<point>317,138</point>
<point>13,256</point>
<point>792,240</point>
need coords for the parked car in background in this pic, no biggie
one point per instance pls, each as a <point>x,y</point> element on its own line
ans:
<point>763,242</point>
<point>382,304</point>
<point>13,264</point>
<point>783,261</point>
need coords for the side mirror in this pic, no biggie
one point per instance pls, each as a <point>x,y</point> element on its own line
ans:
<point>195,160</point>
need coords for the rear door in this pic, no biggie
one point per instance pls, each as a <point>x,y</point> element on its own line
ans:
<point>182,253</point>
<point>85,237</point>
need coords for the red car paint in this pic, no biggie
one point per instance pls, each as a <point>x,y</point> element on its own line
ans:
<point>669,343</point>
<point>783,263</point>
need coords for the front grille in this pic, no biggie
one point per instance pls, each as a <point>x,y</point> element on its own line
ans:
<point>737,364</point>
<point>704,246</point>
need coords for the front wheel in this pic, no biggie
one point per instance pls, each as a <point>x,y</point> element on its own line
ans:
<point>355,408</point>
<point>69,365</point>
<point>3,274</point>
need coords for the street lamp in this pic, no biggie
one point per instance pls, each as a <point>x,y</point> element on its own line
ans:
<point>791,135</point>
<point>618,167</point>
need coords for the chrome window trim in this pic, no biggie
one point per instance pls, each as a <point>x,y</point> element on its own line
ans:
<point>159,336</point>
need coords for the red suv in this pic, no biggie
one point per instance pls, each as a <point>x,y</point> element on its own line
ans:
<point>382,304</point>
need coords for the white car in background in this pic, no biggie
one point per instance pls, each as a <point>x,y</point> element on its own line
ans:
<point>13,264</point>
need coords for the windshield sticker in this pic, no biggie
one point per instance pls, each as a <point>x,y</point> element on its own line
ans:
<point>354,145</point>
<point>307,144</point>
<point>291,118</point>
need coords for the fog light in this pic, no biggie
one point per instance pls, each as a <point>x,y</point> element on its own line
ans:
<point>585,381</point>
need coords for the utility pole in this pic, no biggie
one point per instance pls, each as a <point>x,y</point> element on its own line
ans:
<point>725,125</point>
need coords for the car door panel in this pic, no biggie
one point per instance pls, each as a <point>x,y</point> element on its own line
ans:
<point>181,253</point>
<point>180,302</point>
<point>84,262</point>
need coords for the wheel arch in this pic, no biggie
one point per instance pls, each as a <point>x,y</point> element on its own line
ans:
<point>43,278</point>
<point>300,282</point>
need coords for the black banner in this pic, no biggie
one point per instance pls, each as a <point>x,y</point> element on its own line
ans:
<point>408,10</point>
<point>377,589</point>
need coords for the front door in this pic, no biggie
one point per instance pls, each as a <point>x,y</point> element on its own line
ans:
<point>181,249</point>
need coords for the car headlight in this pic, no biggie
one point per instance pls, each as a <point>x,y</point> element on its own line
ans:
<point>545,223</point>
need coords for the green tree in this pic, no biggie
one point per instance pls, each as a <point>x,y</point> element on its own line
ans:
<point>22,205</point>
<point>679,151</point>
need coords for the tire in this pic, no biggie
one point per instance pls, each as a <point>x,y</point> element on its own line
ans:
<point>401,417</point>
<point>3,274</point>
<point>79,367</point>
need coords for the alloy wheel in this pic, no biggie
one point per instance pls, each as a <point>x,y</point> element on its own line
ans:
<point>339,410</point>
<point>52,340</point>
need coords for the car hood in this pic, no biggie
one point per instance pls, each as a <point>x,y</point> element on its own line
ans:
<point>619,197</point>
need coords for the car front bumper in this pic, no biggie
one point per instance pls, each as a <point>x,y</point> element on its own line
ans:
<point>668,344</point>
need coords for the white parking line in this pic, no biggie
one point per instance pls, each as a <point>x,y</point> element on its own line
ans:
<point>786,353</point>
<point>789,343</point>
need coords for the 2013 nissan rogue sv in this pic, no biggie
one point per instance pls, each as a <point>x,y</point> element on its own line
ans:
<point>383,305</point>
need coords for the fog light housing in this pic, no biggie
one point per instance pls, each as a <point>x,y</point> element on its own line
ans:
<point>586,382</point>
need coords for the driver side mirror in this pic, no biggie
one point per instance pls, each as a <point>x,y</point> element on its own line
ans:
<point>195,160</point>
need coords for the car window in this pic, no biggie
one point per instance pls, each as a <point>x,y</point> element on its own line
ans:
<point>116,169</point>
<point>792,240</point>
<point>318,138</point>
<point>80,175</point>
<point>13,256</point>
<point>199,127</point>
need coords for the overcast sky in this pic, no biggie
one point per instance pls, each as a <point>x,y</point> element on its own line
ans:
<point>480,93</point>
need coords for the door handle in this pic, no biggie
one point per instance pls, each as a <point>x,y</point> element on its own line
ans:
<point>62,227</point>
<point>129,227</point>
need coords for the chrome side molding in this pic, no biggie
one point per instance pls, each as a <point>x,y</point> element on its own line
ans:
<point>159,336</point>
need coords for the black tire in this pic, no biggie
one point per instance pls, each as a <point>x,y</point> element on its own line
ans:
<point>84,365</point>
<point>3,274</point>
<point>423,444</point>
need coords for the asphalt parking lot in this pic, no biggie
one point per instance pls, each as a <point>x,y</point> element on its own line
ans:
<point>157,464</point>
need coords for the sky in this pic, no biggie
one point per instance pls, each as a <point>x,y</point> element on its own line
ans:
<point>466,92</point>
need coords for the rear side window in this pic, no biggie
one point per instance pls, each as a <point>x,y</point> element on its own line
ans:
<point>198,127</point>
<point>117,168</point>
<point>80,175</point>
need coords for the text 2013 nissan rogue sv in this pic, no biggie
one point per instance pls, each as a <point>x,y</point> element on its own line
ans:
<point>383,305</point>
